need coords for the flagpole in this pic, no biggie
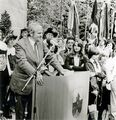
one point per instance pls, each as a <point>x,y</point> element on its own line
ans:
<point>86,21</point>
<point>61,17</point>
<point>112,25</point>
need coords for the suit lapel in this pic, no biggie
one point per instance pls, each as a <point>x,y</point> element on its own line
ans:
<point>40,52</point>
<point>30,50</point>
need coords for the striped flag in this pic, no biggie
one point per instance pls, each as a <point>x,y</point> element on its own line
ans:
<point>94,13</point>
<point>93,28</point>
<point>105,33</point>
<point>114,26</point>
<point>73,20</point>
<point>103,22</point>
<point>101,25</point>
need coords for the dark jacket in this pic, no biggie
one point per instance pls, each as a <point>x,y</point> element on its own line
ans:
<point>69,63</point>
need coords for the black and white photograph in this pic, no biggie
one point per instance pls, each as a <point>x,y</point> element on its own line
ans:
<point>57,59</point>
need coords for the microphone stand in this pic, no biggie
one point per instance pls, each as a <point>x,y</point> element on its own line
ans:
<point>31,77</point>
<point>33,116</point>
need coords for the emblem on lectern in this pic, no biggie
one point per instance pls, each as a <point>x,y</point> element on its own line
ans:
<point>77,104</point>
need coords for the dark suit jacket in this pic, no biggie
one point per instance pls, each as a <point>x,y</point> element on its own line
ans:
<point>69,63</point>
<point>26,64</point>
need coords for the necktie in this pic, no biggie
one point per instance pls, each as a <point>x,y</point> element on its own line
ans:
<point>36,50</point>
<point>95,62</point>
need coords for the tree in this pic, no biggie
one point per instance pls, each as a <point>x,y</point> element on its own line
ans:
<point>47,12</point>
<point>5,23</point>
<point>50,13</point>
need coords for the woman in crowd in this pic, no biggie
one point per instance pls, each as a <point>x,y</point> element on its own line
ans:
<point>68,48</point>
<point>4,79</point>
<point>10,53</point>
<point>24,33</point>
<point>10,98</point>
<point>61,47</point>
<point>74,61</point>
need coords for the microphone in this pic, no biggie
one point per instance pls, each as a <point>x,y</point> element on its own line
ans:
<point>53,42</point>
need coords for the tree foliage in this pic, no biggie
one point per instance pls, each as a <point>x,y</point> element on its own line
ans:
<point>51,12</point>
<point>5,23</point>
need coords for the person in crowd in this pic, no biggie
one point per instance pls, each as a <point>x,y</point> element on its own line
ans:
<point>110,69</point>
<point>104,106</point>
<point>96,78</point>
<point>109,48</point>
<point>3,73</point>
<point>11,61</point>
<point>75,61</point>
<point>101,45</point>
<point>77,39</point>
<point>68,48</point>
<point>61,47</point>
<point>61,44</point>
<point>51,69</point>
<point>29,54</point>
<point>24,33</point>
<point>10,53</point>
<point>49,34</point>
<point>51,42</point>
<point>91,47</point>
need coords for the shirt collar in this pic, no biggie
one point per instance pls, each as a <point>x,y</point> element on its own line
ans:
<point>32,42</point>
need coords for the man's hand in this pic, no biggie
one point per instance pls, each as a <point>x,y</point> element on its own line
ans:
<point>39,79</point>
<point>67,72</point>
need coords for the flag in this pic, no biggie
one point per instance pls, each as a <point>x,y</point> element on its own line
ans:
<point>100,27</point>
<point>73,20</point>
<point>103,22</point>
<point>105,33</point>
<point>93,28</point>
<point>63,97</point>
<point>114,27</point>
<point>94,13</point>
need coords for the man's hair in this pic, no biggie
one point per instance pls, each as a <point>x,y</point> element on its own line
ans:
<point>33,26</point>
<point>70,38</point>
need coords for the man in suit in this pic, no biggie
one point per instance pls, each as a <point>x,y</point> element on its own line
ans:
<point>29,54</point>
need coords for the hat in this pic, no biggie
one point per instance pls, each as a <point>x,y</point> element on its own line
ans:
<point>2,30</point>
<point>50,30</point>
<point>10,37</point>
<point>24,29</point>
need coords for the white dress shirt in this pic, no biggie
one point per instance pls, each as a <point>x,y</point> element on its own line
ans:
<point>32,42</point>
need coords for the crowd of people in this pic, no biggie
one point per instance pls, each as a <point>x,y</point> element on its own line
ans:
<point>20,61</point>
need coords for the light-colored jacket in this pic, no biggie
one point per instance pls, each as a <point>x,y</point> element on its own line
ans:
<point>27,63</point>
